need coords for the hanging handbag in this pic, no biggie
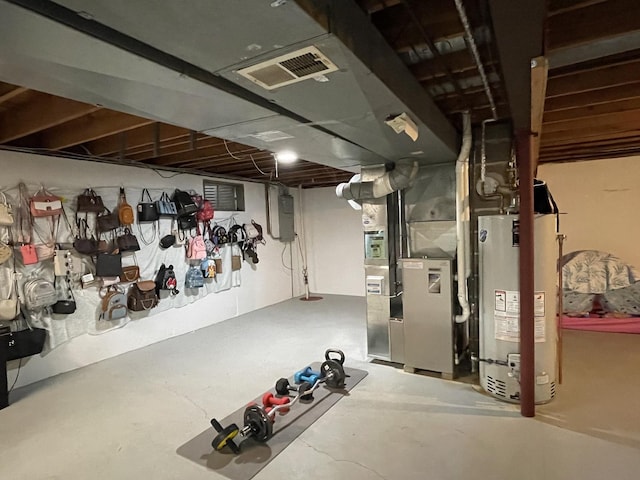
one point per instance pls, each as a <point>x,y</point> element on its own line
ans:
<point>147,211</point>
<point>67,305</point>
<point>29,254</point>
<point>187,223</point>
<point>25,341</point>
<point>10,306</point>
<point>45,204</point>
<point>6,252</point>
<point>84,244</point>
<point>6,212</point>
<point>128,242</point>
<point>107,221</point>
<point>185,204</point>
<point>130,273</point>
<point>236,263</point>
<point>165,207</point>
<point>142,296</point>
<point>208,267</point>
<point>167,241</point>
<point>89,202</point>
<point>65,263</point>
<point>108,265</point>
<point>125,211</point>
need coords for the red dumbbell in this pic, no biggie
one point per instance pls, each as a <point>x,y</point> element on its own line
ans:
<point>269,401</point>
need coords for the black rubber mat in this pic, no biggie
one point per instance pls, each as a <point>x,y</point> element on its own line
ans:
<point>254,456</point>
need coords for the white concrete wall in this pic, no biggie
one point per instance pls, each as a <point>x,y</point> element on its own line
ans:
<point>334,241</point>
<point>270,282</point>
<point>601,200</point>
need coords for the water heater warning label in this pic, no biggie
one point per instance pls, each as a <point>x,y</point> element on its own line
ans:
<point>507,315</point>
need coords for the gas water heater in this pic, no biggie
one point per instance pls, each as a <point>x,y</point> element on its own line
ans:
<point>498,248</point>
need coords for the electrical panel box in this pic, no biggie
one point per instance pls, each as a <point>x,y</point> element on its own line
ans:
<point>286,219</point>
<point>375,285</point>
<point>375,245</point>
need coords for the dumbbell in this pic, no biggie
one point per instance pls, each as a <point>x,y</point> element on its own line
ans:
<point>269,401</point>
<point>283,387</point>
<point>306,375</point>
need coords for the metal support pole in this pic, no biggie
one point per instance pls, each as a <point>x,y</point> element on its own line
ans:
<point>527,339</point>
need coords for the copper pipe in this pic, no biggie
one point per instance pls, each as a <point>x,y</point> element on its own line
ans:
<point>527,325</point>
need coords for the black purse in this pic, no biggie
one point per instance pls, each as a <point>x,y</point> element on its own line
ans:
<point>82,244</point>
<point>187,223</point>
<point>147,211</point>
<point>128,242</point>
<point>68,305</point>
<point>24,341</point>
<point>89,201</point>
<point>109,265</point>
<point>167,241</point>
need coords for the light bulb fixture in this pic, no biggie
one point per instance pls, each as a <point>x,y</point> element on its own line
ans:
<point>286,156</point>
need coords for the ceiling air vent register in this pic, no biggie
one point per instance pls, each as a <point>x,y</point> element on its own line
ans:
<point>291,68</point>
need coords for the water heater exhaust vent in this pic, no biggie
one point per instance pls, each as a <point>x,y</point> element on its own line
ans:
<point>291,68</point>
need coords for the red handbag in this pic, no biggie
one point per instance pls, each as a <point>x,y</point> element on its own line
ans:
<point>205,213</point>
<point>29,254</point>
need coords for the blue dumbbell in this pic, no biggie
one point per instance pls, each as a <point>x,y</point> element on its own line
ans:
<point>306,375</point>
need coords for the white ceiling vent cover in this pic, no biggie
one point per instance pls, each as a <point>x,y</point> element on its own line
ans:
<point>291,68</point>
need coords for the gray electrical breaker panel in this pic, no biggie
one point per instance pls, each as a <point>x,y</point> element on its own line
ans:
<point>285,218</point>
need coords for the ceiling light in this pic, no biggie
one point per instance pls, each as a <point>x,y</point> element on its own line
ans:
<point>286,156</point>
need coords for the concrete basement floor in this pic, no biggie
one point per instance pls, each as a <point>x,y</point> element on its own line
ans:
<point>124,418</point>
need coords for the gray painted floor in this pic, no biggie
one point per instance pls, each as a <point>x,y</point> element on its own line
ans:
<point>125,417</point>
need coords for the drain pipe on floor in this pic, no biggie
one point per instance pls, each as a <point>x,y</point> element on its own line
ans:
<point>462,219</point>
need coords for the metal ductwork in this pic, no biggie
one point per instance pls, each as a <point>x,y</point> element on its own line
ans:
<point>400,177</point>
<point>314,76</point>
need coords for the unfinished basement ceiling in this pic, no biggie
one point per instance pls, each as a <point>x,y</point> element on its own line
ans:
<point>398,55</point>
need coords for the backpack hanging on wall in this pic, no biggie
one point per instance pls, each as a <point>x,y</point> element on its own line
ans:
<point>142,296</point>
<point>194,278</point>
<point>165,207</point>
<point>39,293</point>
<point>114,304</point>
<point>166,280</point>
<point>185,205</point>
<point>206,212</point>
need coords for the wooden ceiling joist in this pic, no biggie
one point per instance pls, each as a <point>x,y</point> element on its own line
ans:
<point>8,94</point>
<point>596,97</point>
<point>90,127</point>
<point>595,79</point>
<point>592,110</point>
<point>41,111</point>
<point>141,137</point>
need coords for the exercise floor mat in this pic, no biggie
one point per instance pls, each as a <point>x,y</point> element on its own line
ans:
<point>254,456</point>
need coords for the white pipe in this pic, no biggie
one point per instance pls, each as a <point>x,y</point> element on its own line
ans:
<point>462,219</point>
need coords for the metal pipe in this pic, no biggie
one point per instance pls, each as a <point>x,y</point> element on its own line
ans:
<point>476,56</point>
<point>462,216</point>
<point>526,265</point>
<point>561,239</point>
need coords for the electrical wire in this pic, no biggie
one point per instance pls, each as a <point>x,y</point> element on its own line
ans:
<point>17,376</point>
<point>282,258</point>
<point>243,159</point>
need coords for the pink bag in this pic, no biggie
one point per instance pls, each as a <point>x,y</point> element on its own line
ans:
<point>196,249</point>
<point>29,254</point>
<point>45,204</point>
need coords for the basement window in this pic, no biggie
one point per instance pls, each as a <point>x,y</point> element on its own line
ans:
<point>226,197</point>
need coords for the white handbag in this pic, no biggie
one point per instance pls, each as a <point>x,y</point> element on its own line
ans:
<point>6,211</point>
<point>65,263</point>
<point>10,307</point>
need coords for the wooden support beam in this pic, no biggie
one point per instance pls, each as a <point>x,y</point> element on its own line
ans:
<point>460,61</point>
<point>539,71</point>
<point>40,112</point>
<point>175,146</point>
<point>575,136</point>
<point>210,153</point>
<point>91,127</point>
<point>373,6</point>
